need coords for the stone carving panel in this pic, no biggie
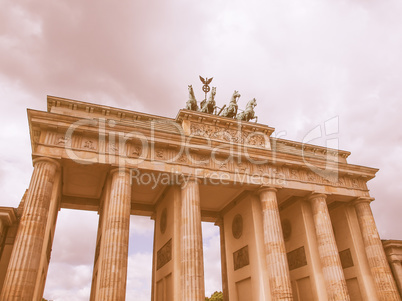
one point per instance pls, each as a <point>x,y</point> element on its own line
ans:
<point>242,167</point>
<point>89,144</point>
<point>62,140</point>
<point>160,154</point>
<point>297,258</point>
<point>182,159</point>
<point>228,135</point>
<point>113,148</point>
<point>241,258</point>
<point>164,255</point>
<point>346,258</point>
<point>136,150</point>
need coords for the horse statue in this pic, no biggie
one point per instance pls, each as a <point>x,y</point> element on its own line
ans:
<point>231,110</point>
<point>191,103</point>
<point>210,105</point>
<point>248,113</point>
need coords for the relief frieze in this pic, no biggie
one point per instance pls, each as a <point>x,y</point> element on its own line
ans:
<point>228,135</point>
<point>160,154</point>
<point>113,148</point>
<point>241,258</point>
<point>208,161</point>
<point>89,144</point>
<point>164,255</point>
<point>136,151</point>
<point>346,259</point>
<point>297,258</point>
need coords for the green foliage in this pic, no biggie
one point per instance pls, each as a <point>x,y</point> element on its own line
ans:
<point>217,296</point>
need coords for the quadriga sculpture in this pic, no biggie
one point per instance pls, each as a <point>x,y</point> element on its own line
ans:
<point>248,113</point>
<point>231,110</point>
<point>191,103</point>
<point>210,105</point>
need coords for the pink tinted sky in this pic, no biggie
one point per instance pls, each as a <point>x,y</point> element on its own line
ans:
<point>305,62</point>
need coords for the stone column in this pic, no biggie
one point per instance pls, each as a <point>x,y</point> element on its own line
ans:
<point>113,276</point>
<point>24,263</point>
<point>396,266</point>
<point>380,269</point>
<point>328,251</point>
<point>192,265</point>
<point>277,263</point>
<point>225,285</point>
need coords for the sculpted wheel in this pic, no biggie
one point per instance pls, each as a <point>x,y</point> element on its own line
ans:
<point>206,88</point>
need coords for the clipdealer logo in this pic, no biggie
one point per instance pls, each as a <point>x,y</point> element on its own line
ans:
<point>115,142</point>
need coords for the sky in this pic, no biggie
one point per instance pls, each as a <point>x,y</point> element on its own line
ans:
<point>306,62</point>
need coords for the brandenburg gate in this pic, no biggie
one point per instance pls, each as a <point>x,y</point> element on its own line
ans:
<point>295,219</point>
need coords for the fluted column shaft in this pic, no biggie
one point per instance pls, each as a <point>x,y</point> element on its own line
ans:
<point>396,267</point>
<point>24,263</point>
<point>113,276</point>
<point>377,260</point>
<point>277,264</point>
<point>328,250</point>
<point>191,243</point>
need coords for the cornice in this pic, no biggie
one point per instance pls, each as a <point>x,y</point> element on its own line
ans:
<point>7,215</point>
<point>96,109</point>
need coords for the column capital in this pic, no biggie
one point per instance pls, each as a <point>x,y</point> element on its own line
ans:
<point>119,169</point>
<point>394,259</point>
<point>315,195</point>
<point>360,200</point>
<point>185,179</point>
<point>46,159</point>
<point>267,188</point>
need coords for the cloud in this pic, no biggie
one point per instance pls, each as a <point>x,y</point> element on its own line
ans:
<point>68,282</point>
<point>70,270</point>
<point>305,63</point>
<point>139,277</point>
<point>212,258</point>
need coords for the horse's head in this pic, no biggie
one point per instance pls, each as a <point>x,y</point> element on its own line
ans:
<point>252,103</point>
<point>190,88</point>
<point>235,96</point>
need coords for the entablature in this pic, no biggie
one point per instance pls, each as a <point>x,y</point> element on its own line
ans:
<point>193,141</point>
